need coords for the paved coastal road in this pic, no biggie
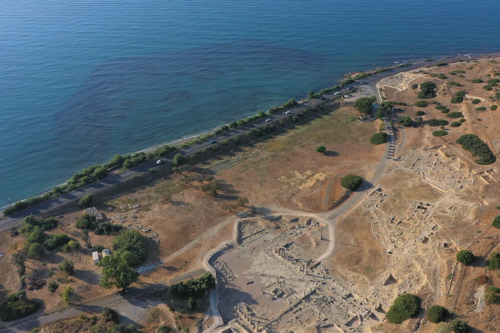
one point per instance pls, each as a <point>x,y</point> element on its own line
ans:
<point>44,207</point>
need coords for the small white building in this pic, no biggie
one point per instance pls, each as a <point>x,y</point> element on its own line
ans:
<point>95,257</point>
<point>105,253</point>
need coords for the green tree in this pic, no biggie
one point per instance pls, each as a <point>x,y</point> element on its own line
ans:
<point>321,149</point>
<point>365,104</point>
<point>100,173</point>
<point>192,304</point>
<point>134,242</point>
<point>379,138</point>
<point>427,90</point>
<point>437,314</point>
<point>459,326</point>
<point>233,125</point>
<point>404,307</point>
<point>164,329</point>
<point>351,182</point>
<point>421,104</point>
<point>53,285</point>
<point>67,266</point>
<point>179,160</point>
<point>494,261</point>
<point>420,113</point>
<point>17,306</point>
<point>405,121</point>
<point>117,270</point>
<point>66,294</point>
<point>496,222</point>
<point>465,256</point>
<point>108,314</point>
<point>36,250</point>
<point>490,297</point>
<point>86,201</point>
<point>310,95</point>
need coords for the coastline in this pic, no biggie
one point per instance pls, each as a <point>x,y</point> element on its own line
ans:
<point>187,138</point>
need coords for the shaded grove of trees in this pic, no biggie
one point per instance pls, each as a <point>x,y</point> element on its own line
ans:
<point>365,104</point>
<point>478,148</point>
<point>437,122</point>
<point>17,306</point>
<point>427,90</point>
<point>134,242</point>
<point>379,138</point>
<point>194,288</point>
<point>351,182</point>
<point>404,307</point>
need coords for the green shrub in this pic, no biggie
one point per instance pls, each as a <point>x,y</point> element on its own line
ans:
<point>455,124</point>
<point>494,289</point>
<point>427,90</point>
<point>351,182</point>
<point>87,221</point>
<point>98,248</point>
<point>420,113</point>
<point>476,101</point>
<point>193,288</point>
<point>496,222</point>
<point>453,83</point>
<point>52,286</point>
<point>459,326</point>
<point>237,140</point>
<point>192,304</point>
<point>405,121</point>
<point>67,266</point>
<point>17,306</point>
<point>36,250</point>
<point>481,108</point>
<point>455,115</point>
<point>477,81</point>
<point>493,107</point>
<point>465,257</point>
<point>462,120</point>
<point>458,97</point>
<point>365,104</point>
<point>439,133</point>
<point>440,107</point>
<point>215,147</point>
<point>490,297</point>
<point>439,64</point>
<point>379,138</point>
<point>86,201</point>
<point>442,328</point>
<point>457,72</point>
<point>291,102</point>
<point>446,110</point>
<point>50,272</point>
<point>321,149</point>
<point>421,104</point>
<point>179,160</point>
<point>437,314</point>
<point>478,148</point>
<point>164,329</point>
<point>404,307</point>
<point>133,241</point>
<point>437,122</point>
<point>442,76</point>
<point>56,240</point>
<point>108,314</point>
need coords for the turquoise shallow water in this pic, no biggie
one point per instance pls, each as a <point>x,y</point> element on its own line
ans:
<point>83,80</point>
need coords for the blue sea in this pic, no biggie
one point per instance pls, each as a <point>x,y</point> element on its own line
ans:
<point>83,80</point>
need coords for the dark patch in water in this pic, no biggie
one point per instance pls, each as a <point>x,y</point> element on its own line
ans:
<point>178,96</point>
<point>221,91</point>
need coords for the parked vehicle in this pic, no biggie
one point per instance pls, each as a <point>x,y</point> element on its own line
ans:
<point>213,141</point>
<point>268,120</point>
<point>160,162</point>
<point>288,112</point>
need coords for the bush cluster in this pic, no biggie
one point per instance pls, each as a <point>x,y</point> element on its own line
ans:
<point>421,104</point>
<point>491,83</point>
<point>496,222</point>
<point>453,83</point>
<point>133,241</point>
<point>455,124</point>
<point>379,138</point>
<point>365,104</point>
<point>405,121</point>
<point>427,90</point>
<point>465,256</point>
<point>437,122</point>
<point>421,113</point>
<point>193,288</point>
<point>351,182</point>
<point>477,81</point>
<point>493,107</point>
<point>17,306</point>
<point>457,72</point>
<point>476,101</point>
<point>481,108</point>
<point>404,307</point>
<point>56,240</point>
<point>458,97</point>
<point>437,314</point>
<point>439,133</point>
<point>455,115</point>
<point>478,148</point>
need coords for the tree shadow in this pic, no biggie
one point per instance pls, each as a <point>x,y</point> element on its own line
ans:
<point>331,153</point>
<point>88,276</point>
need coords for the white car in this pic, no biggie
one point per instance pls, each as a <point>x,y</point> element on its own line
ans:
<point>288,112</point>
<point>268,120</point>
<point>337,93</point>
<point>159,162</point>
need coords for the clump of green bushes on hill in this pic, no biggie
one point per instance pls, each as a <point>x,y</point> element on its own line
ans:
<point>465,257</point>
<point>476,101</point>
<point>421,104</point>
<point>427,90</point>
<point>453,83</point>
<point>404,307</point>
<point>494,261</point>
<point>458,97</point>
<point>442,76</point>
<point>365,104</point>
<point>351,182</point>
<point>455,115</point>
<point>193,288</point>
<point>420,113</point>
<point>56,240</point>
<point>481,108</point>
<point>491,83</point>
<point>437,122</point>
<point>439,133</point>
<point>457,72</point>
<point>405,121</point>
<point>455,124</point>
<point>134,242</point>
<point>478,148</point>
<point>496,222</point>
<point>493,107</point>
<point>477,81</point>
<point>439,64</point>
<point>379,138</point>
<point>17,306</point>
<point>437,314</point>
